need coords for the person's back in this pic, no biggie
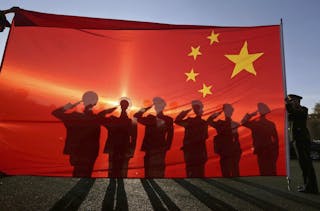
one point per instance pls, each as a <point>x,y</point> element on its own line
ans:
<point>194,141</point>
<point>196,131</point>
<point>157,138</point>
<point>263,133</point>
<point>119,134</point>
<point>121,142</point>
<point>82,134</point>
<point>156,131</point>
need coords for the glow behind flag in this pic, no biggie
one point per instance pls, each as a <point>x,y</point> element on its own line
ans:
<point>51,60</point>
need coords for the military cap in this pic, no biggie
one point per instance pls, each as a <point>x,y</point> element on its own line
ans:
<point>263,108</point>
<point>294,97</point>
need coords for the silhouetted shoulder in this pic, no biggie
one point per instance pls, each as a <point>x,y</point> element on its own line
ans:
<point>150,116</point>
<point>168,118</point>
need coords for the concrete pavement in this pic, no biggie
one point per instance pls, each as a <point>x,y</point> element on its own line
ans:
<point>244,193</point>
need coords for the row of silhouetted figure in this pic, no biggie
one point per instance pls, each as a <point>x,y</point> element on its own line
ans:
<point>83,137</point>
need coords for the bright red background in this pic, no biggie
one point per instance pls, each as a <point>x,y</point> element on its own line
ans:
<point>52,60</point>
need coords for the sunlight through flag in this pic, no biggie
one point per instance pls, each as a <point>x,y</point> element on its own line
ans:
<point>166,101</point>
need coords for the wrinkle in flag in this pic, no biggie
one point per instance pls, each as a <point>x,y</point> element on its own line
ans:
<point>162,100</point>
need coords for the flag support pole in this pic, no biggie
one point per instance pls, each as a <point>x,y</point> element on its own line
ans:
<point>286,116</point>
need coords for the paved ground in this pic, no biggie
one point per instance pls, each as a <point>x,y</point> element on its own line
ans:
<point>254,193</point>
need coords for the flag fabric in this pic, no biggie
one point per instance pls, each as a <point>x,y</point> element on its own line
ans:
<point>89,97</point>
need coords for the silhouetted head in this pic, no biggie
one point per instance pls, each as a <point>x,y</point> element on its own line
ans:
<point>89,98</point>
<point>228,110</point>
<point>159,104</point>
<point>124,104</point>
<point>197,107</point>
<point>263,109</point>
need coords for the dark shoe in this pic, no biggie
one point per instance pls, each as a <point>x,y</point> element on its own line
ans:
<point>301,188</point>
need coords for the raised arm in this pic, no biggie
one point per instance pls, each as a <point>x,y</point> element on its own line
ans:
<point>180,118</point>
<point>106,111</point>
<point>247,117</point>
<point>212,117</point>
<point>60,112</point>
<point>141,119</point>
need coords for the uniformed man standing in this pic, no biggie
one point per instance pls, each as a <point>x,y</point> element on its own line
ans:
<point>157,138</point>
<point>121,141</point>
<point>299,133</point>
<point>194,141</point>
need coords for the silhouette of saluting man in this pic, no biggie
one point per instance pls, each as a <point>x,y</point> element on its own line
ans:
<point>297,116</point>
<point>265,139</point>
<point>121,141</point>
<point>226,142</point>
<point>83,134</point>
<point>157,138</point>
<point>194,141</point>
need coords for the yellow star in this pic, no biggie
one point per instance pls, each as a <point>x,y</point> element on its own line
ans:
<point>206,90</point>
<point>191,75</point>
<point>213,37</point>
<point>244,60</point>
<point>195,52</point>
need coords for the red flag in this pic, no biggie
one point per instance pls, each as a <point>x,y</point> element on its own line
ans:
<point>215,98</point>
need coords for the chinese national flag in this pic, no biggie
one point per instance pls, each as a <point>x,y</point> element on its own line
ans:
<point>234,72</point>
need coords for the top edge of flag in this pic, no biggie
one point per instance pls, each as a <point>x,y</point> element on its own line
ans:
<point>33,18</point>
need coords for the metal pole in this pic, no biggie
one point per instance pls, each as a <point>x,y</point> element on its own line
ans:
<point>286,116</point>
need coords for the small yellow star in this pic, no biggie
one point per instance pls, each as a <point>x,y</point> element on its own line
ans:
<point>213,37</point>
<point>206,90</point>
<point>191,75</point>
<point>244,60</point>
<point>195,52</point>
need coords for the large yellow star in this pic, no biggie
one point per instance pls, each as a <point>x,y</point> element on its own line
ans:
<point>195,52</point>
<point>191,75</point>
<point>206,90</point>
<point>244,60</point>
<point>213,37</point>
